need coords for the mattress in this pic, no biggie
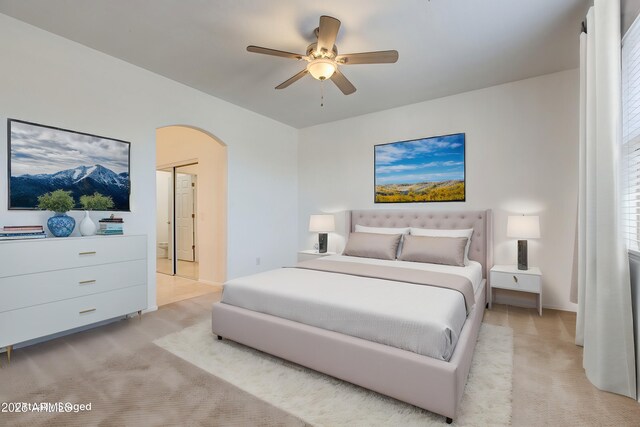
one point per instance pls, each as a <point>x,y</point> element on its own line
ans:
<point>423,319</point>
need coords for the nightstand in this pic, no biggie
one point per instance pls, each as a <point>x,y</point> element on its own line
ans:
<point>509,277</point>
<point>312,254</point>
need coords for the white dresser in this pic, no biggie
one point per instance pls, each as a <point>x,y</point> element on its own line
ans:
<point>56,284</point>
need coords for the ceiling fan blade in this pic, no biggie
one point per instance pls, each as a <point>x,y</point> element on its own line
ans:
<point>380,57</point>
<point>293,79</point>
<point>273,52</point>
<point>343,83</point>
<point>327,33</point>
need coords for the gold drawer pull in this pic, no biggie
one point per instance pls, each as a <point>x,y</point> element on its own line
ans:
<point>515,279</point>
<point>87,282</point>
<point>87,311</point>
<point>87,253</point>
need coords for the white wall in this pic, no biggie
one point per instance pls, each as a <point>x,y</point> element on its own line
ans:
<point>521,151</point>
<point>50,80</point>
<point>521,157</point>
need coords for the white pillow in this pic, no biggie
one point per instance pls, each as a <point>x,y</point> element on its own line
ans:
<point>438,232</point>
<point>385,230</point>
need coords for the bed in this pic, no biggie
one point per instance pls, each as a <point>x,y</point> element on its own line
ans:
<point>324,320</point>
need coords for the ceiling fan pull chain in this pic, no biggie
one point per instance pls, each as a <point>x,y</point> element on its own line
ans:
<point>322,93</point>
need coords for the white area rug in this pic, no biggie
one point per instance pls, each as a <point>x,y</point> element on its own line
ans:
<point>325,401</point>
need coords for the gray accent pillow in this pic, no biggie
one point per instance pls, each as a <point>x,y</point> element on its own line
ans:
<point>439,232</point>
<point>385,230</point>
<point>372,245</point>
<point>434,250</point>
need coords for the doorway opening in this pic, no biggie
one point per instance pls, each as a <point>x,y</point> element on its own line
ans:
<point>176,218</point>
<point>191,220</point>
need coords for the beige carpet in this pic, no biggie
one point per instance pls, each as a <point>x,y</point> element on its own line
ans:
<point>132,391</point>
<point>549,384</point>
<point>326,401</point>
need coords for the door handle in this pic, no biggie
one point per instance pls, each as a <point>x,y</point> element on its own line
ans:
<point>515,279</point>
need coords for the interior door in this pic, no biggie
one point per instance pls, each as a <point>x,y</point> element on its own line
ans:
<point>184,217</point>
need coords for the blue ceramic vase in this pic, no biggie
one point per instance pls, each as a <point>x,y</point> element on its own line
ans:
<point>61,224</point>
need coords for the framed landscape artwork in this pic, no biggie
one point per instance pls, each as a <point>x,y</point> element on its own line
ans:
<point>421,170</point>
<point>44,159</point>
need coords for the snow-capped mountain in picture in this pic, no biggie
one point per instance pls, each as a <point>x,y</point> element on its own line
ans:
<point>25,189</point>
<point>44,159</point>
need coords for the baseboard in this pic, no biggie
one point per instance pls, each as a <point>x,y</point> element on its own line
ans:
<point>553,307</point>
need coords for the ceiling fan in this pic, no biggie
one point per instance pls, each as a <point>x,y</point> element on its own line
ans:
<point>323,59</point>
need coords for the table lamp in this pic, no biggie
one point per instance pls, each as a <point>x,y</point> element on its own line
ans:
<point>322,224</point>
<point>523,227</point>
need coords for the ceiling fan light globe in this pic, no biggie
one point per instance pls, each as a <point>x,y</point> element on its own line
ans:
<point>321,68</point>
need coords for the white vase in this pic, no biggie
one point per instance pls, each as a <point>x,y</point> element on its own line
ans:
<point>87,226</point>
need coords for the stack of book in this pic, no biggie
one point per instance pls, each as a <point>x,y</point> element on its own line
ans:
<point>110,226</point>
<point>17,232</point>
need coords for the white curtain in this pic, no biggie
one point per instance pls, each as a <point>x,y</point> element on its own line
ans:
<point>605,323</point>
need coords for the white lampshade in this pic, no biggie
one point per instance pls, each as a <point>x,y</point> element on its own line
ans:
<point>322,223</point>
<point>523,227</point>
<point>321,68</point>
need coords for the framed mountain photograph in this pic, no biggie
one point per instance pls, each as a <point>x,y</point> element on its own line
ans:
<point>44,159</point>
<point>420,170</point>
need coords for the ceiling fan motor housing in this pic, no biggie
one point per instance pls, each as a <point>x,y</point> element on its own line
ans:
<point>312,52</point>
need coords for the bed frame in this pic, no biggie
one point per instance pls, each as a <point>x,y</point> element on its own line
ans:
<point>428,383</point>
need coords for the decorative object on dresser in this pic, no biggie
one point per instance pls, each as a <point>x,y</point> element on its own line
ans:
<point>74,283</point>
<point>22,232</point>
<point>95,202</point>
<point>322,224</point>
<point>523,227</point>
<point>421,170</point>
<point>312,254</point>
<point>87,226</point>
<point>72,161</point>
<point>111,226</point>
<point>59,202</point>
<point>511,277</point>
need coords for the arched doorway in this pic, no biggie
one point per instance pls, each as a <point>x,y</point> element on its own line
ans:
<point>191,215</point>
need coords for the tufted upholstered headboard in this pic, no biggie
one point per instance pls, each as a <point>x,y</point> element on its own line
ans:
<point>481,248</point>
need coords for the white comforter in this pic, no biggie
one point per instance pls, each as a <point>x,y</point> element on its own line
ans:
<point>423,319</point>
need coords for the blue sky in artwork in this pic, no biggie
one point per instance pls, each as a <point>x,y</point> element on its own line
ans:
<point>434,159</point>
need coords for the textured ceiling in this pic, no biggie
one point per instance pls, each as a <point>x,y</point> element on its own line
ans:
<point>445,46</point>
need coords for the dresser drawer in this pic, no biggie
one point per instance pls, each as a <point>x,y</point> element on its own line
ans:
<point>26,257</point>
<point>41,288</point>
<point>41,320</point>
<point>515,281</point>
